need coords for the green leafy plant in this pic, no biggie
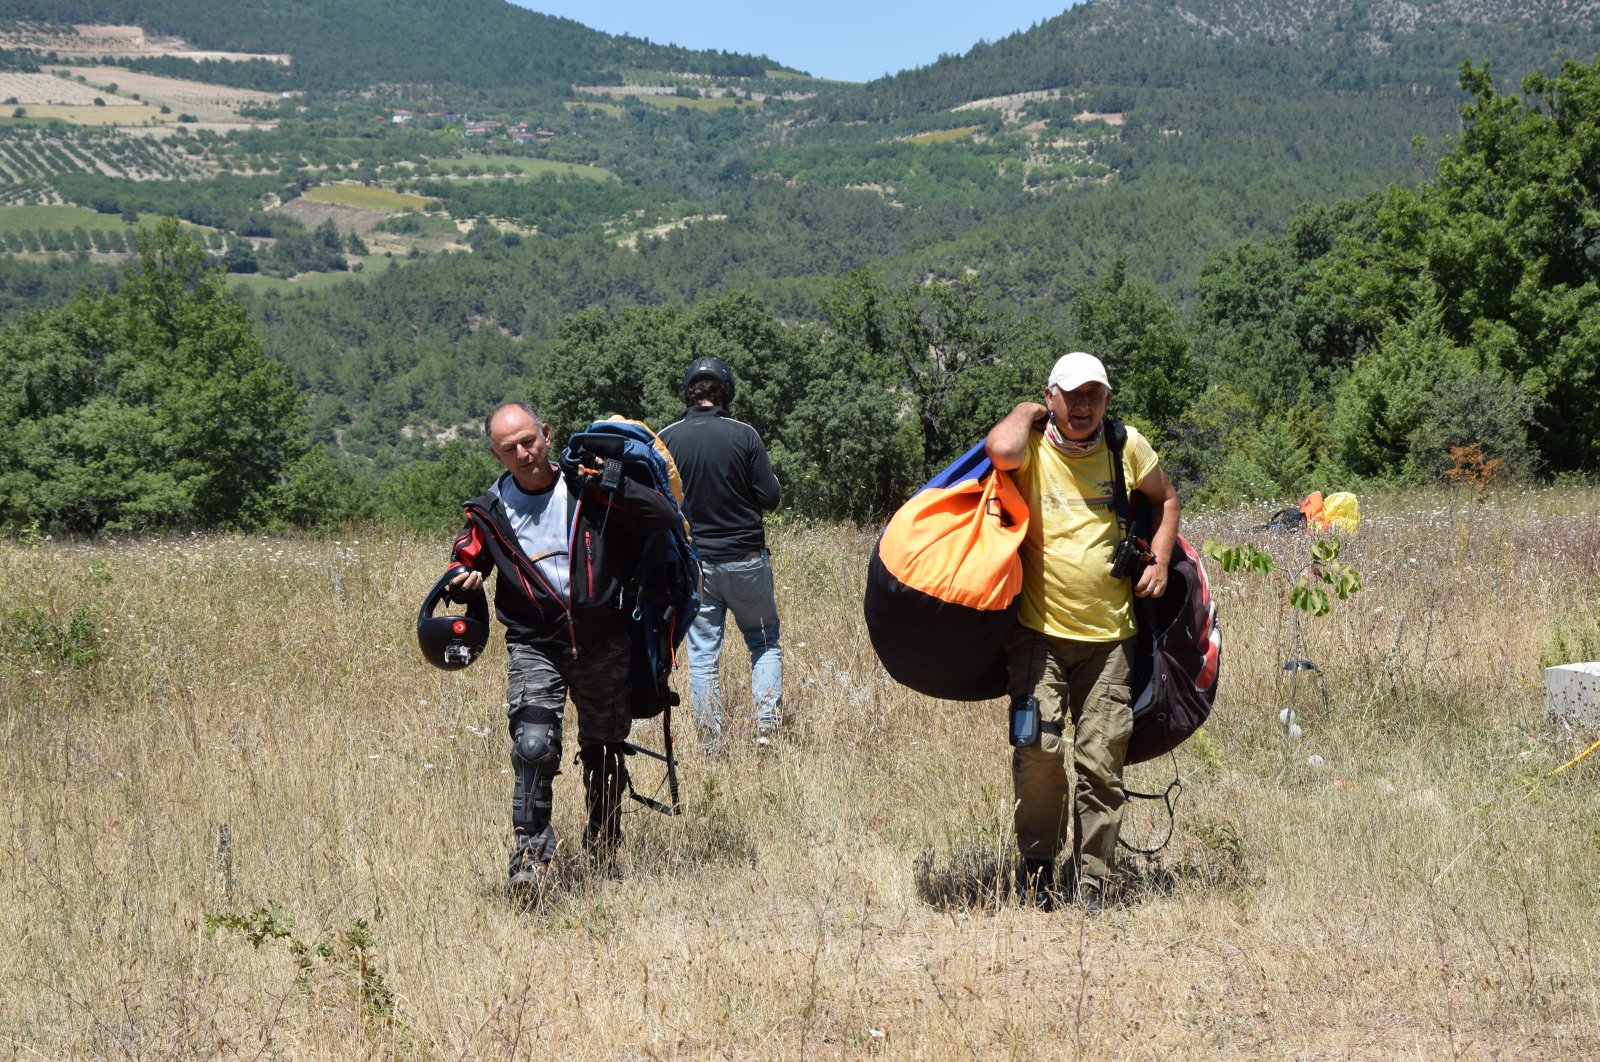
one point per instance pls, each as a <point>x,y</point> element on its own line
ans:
<point>1201,744</point>
<point>262,924</point>
<point>73,642</point>
<point>348,954</point>
<point>1313,583</point>
<point>1315,577</point>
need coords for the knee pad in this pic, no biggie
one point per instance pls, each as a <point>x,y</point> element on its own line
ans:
<point>536,748</point>
<point>536,760</point>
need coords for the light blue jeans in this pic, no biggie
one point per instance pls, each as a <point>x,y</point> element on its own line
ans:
<point>745,588</point>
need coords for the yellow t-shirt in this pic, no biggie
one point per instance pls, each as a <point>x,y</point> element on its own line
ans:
<point>1067,587</point>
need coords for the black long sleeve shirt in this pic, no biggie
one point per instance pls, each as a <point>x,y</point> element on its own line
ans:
<point>727,481</point>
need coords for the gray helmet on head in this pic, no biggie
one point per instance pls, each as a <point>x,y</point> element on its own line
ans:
<point>710,369</point>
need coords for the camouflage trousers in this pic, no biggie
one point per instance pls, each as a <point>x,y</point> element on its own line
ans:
<point>537,687</point>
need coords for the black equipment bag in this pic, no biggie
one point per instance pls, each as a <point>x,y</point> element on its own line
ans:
<point>1178,648</point>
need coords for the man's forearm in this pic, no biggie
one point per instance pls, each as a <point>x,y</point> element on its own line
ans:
<point>1164,513</point>
<point>1165,536</point>
<point>1007,442</point>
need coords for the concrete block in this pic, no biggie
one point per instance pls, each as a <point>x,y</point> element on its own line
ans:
<point>1572,693</point>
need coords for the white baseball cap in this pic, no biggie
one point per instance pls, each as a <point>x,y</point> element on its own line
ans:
<point>1074,370</point>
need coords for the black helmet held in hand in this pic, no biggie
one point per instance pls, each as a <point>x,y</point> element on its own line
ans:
<point>710,369</point>
<point>447,641</point>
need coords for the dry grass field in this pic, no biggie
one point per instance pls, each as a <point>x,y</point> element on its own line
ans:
<point>138,114</point>
<point>943,136</point>
<point>247,821</point>
<point>101,42</point>
<point>207,102</point>
<point>35,89</point>
<point>312,213</point>
<point>45,96</point>
<point>363,197</point>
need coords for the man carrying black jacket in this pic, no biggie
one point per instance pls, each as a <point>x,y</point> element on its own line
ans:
<point>727,485</point>
<point>562,552</point>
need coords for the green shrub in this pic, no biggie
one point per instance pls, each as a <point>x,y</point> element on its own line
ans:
<point>32,633</point>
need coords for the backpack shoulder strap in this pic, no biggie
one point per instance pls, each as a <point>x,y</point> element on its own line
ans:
<point>1116,440</point>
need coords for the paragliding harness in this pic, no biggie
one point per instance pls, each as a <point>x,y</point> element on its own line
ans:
<point>1289,518</point>
<point>664,589</point>
<point>1178,647</point>
<point>1339,511</point>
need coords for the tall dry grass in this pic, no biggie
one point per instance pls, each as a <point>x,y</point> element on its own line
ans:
<point>257,825</point>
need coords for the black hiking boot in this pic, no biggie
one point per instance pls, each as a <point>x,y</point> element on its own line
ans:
<point>1036,883</point>
<point>605,776</point>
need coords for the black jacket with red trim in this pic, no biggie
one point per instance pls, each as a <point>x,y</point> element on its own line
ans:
<point>605,530</point>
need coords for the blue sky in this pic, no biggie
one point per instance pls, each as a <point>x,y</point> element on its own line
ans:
<point>829,38</point>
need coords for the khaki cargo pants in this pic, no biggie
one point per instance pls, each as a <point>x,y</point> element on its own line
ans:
<point>1088,684</point>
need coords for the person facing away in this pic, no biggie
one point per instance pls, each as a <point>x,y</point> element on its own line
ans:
<point>727,485</point>
<point>1072,646</point>
<point>565,630</point>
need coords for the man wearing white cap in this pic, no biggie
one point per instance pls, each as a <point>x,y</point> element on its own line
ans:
<point>1071,648</point>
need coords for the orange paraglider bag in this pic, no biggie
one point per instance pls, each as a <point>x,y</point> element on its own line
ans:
<point>943,582</point>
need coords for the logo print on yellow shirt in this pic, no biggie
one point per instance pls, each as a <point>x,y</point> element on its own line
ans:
<point>1056,499</point>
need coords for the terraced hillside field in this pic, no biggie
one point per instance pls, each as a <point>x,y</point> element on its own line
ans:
<point>31,156</point>
<point>41,89</point>
<point>205,102</point>
<point>101,41</point>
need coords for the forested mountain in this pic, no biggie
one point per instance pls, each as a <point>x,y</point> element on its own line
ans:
<point>1173,185</point>
<point>348,44</point>
<point>1301,47</point>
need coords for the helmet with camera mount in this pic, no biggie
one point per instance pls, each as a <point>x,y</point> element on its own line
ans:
<point>451,641</point>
